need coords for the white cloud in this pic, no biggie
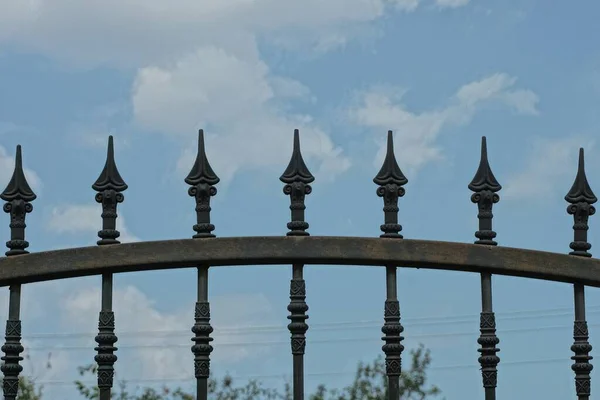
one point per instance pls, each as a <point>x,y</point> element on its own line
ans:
<point>405,5</point>
<point>451,3</point>
<point>138,32</point>
<point>551,166</point>
<point>144,351</point>
<point>199,64</point>
<point>138,322</point>
<point>236,97</point>
<point>417,133</point>
<point>207,86</point>
<point>497,87</point>
<point>84,218</point>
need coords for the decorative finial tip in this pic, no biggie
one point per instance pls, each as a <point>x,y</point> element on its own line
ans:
<point>17,187</point>
<point>390,172</point>
<point>201,149</point>
<point>484,148</point>
<point>581,192</point>
<point>296,146</point>
<point>19,157</point>
<point>296,171</point>
<point>201,171</point>
<point>110,178</point>
<point>111,147</point>
<point>484,178</point>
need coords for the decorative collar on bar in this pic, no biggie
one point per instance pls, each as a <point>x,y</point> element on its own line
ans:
<point>109,186</point>
<point>581,198</point>
<point>202,178</point>
<point>485,186</point>
<point>18,195</point>
<point>390,180</point>
<point>297,178</point>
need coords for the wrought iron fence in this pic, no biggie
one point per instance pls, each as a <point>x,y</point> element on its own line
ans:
<point>296,248</point>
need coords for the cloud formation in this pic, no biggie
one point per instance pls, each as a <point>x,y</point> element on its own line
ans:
<point>209,88</point>
<point>155,353</point>
<point>199,65</point>
<point>552,162</point>
<point>84,218</point>
<point>381,109</point>
<point>137,32</point>
<point>451,3</point>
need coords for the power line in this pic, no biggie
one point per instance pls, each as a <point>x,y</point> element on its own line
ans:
<point>315,341</point>
<point>418,321</point>
<point>191,378</point>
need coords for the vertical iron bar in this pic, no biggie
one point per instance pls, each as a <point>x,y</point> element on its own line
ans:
<point>298,327</point>
<point>12,347</point>
<point>390,180</point>
<point>297,178</point>
<point>484,185</point>
<point>202,179</point>
<point>581,197</point>
<point>18,196</point>
<point>108,186</point>
<point>392,329</point>
<point>202,330</point>
<point>106,339</point>
<point>488,339</point>
<point>581,347</point>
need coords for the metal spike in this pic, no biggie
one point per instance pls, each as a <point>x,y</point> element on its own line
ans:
<point>390,172</point>
<point>110,178</point>
<point>390,180</point>
<point>581,198</point>
<point>109,186</point>
<point>484,178</point>
<point>201,172</point>
<point>581,192</point>
<point>485,186</point>
<point>297,178</point>
<point>18,188</point>
<point>18,195</point>
<point>296,171</point>
<point>202,178</point>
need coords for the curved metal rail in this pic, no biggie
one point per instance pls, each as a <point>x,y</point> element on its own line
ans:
<point>84,261</point>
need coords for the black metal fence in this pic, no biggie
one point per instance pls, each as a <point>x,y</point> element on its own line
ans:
<point>296,248</point>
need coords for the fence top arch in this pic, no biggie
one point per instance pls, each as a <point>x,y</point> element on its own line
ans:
<point>297,248</point>
<point>326,250</point>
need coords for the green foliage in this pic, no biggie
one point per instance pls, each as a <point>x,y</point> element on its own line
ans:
<point>220,390</point>
<point>370,383</point>
<point>28,390</point>
<point>225,390</point>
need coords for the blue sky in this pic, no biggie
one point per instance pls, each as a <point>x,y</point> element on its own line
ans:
<point>440,73</point>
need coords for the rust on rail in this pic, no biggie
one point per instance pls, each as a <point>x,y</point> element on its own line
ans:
<point>141,256</point>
